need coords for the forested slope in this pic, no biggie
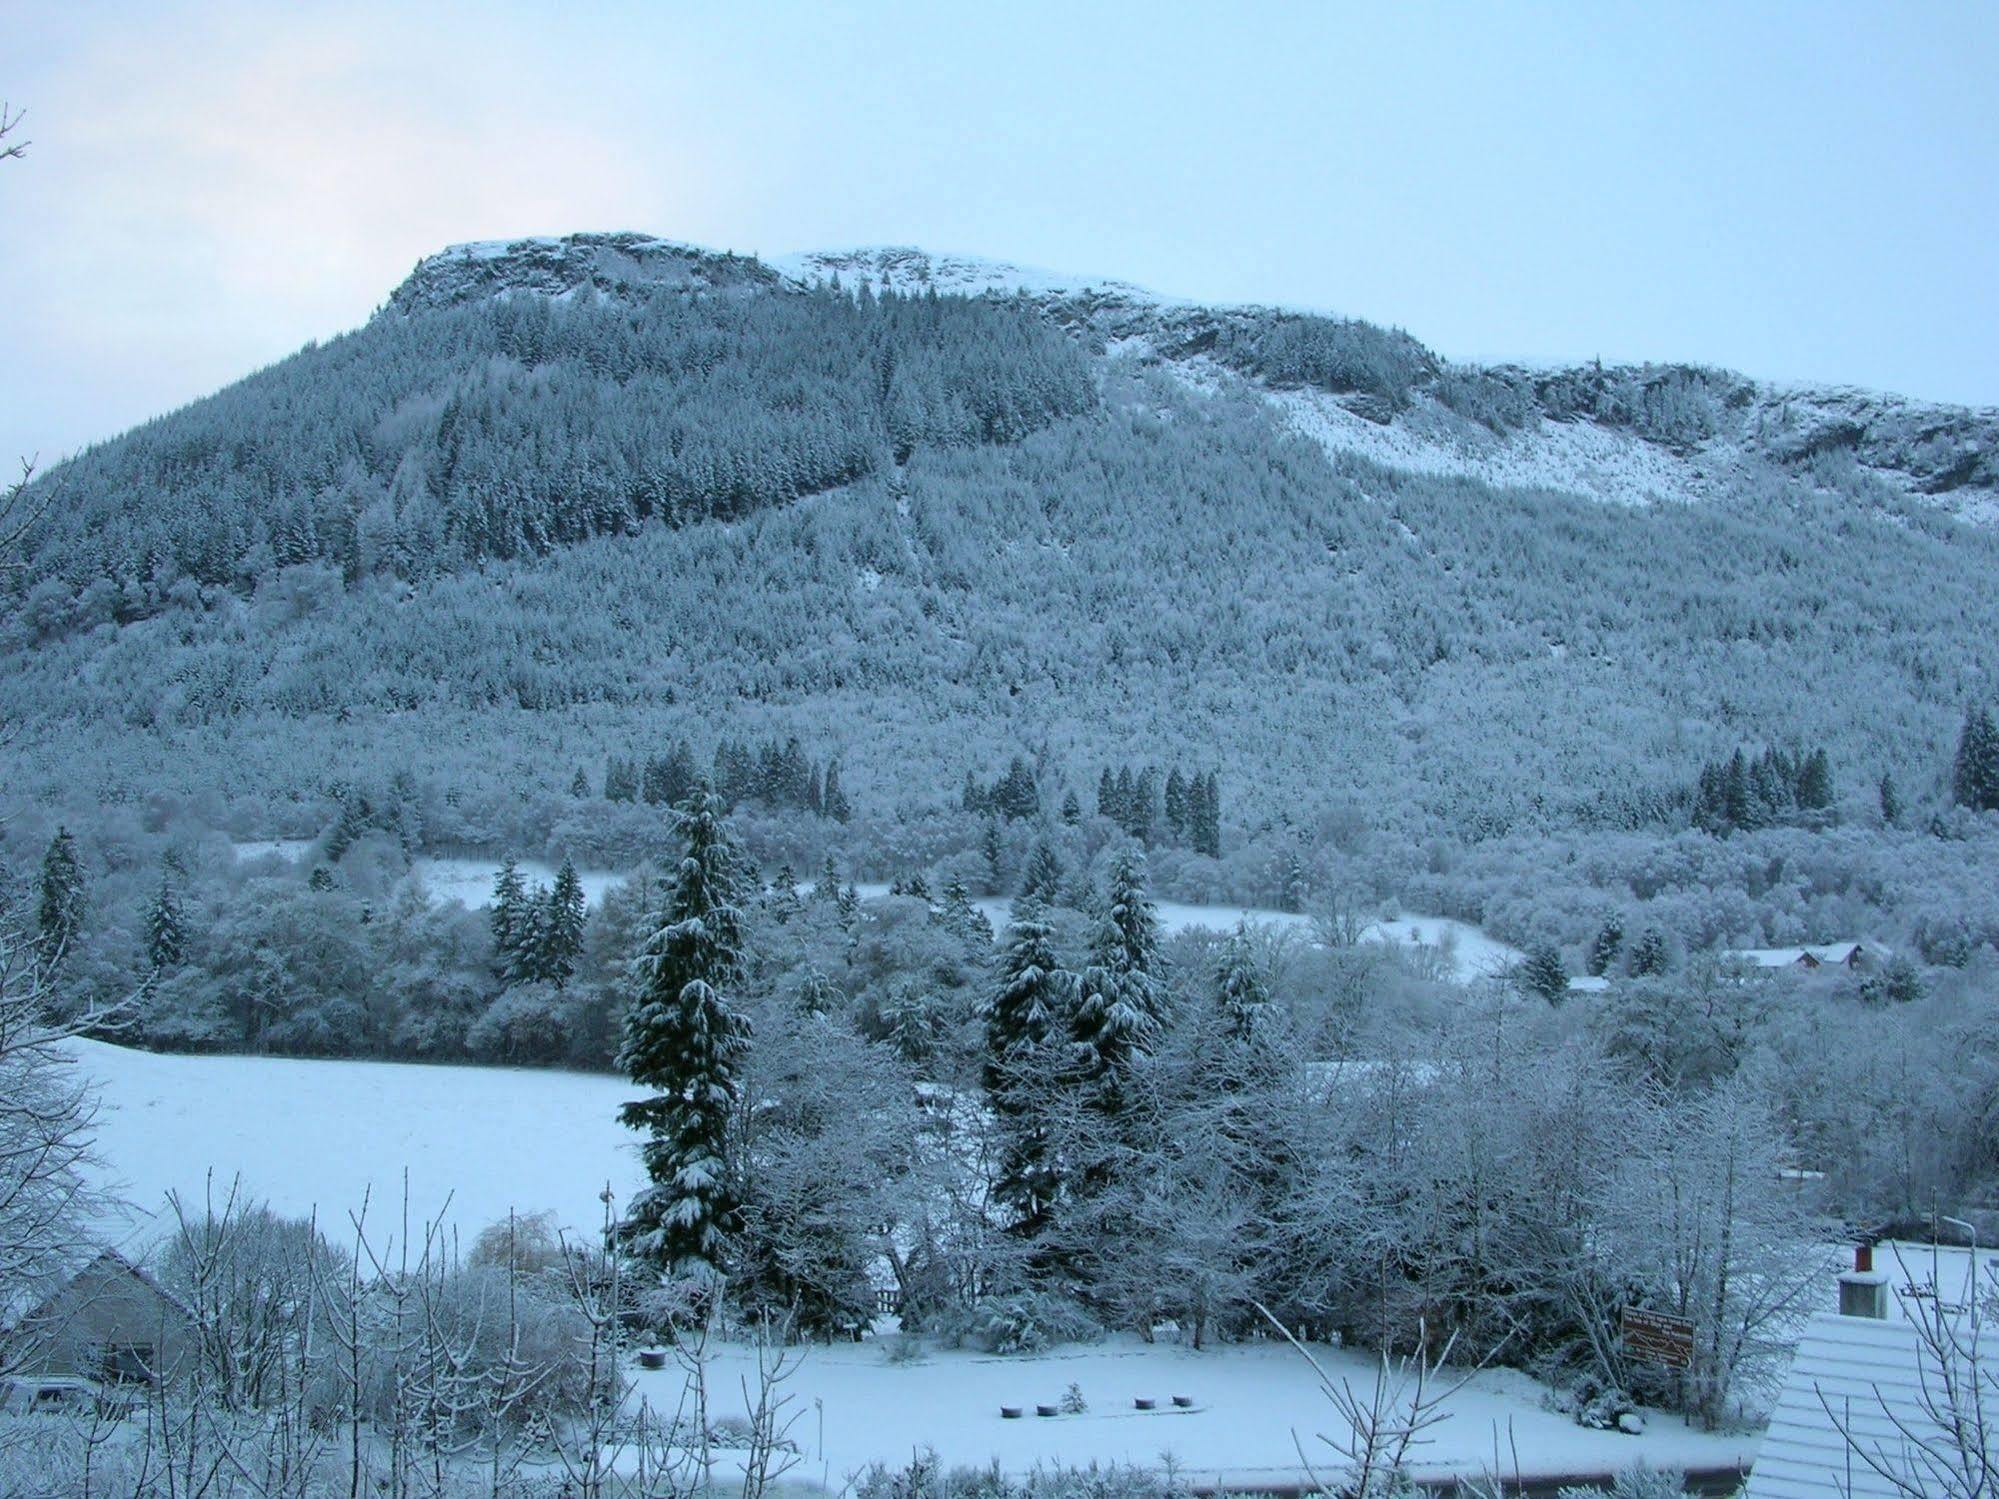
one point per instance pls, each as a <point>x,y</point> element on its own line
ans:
<point>555,506</point>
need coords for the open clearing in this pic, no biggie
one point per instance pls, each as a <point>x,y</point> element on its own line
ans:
<point>312,1136</point>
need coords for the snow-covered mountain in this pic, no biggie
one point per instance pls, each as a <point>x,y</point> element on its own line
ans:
<point>1623,434</point>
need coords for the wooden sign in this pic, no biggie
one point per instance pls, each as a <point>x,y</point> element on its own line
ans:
<point>1658,1338</point>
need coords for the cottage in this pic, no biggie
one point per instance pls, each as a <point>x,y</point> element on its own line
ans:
<point>1858,1416</point>
<point>1854,956</point>
<point>110,1322</point>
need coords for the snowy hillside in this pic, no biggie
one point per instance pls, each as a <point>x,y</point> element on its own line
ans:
<point>1615,450</point>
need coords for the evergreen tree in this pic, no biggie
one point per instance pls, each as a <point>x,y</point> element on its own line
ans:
<point>1043,879</point>
<point>1815,792</point>
<point>64,900</point>
<point>1975,770</point>
<point>784,903</point>
<point>1241,995</point>
<point>683,1041</point>
<point>580,786</point>
<point>1118,998</point>
<point>166,934</point>
<point>561,937</point>
<point>827,887</point>
<point>1176,803</point>
<point>1648,955</point>
<point>995,852</point>
<point>524,960</point>
<point>1023,1019</point>
<point>509,915</point>
<point>1072,809</point>
<point>1609,942</point>
<point>1107,803</point>
<point>835,794</point>
<point>1891,800</point>
<point>964,920</point>
<point>1545,974</point>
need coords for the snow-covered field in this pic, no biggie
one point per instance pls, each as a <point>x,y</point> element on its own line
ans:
<point>315,1136</point>
<point>306,1135</point>
<point>469,882</point>
<point>1473,954</point>
<point>1249,1399</point>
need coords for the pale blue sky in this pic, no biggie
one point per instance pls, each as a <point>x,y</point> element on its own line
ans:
<point>1798,191</point>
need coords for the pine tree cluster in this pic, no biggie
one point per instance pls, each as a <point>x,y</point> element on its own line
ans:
<point>1777,786</point>
<point>1014,796</point>
<point>508,427</point>
<point>1178,808</point>
<point>537,934</point>
<point>771,774</point>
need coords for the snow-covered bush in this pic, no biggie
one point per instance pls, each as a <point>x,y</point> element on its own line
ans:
<point>1023,1322</point>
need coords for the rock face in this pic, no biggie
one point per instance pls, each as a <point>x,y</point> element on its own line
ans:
<point>1629,433</point>
<point>611,265</point>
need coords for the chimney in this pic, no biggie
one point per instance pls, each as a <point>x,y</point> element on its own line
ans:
<point>1863,1290</point>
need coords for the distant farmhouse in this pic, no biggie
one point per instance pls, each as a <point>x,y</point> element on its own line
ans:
<point>110,1322</point>
<point>1854,956</point>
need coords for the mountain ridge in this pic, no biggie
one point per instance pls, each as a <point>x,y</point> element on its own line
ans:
<point>1934,452</point>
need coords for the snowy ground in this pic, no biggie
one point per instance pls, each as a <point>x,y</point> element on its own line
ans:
<point>469,882</point>
<point>1472,953</point>
<point>1249,1400</point>
<point>306,1135</point>
<point>476,1141</point>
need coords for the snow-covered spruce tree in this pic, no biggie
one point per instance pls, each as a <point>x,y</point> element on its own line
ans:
<point>1023,1017</point>
<point>510,904</point>
<point>1975,771</point>
<point>1608,944</point>
<point>1544,974</point>
<point>59,915</point>
<point>1241,994</point>
<point>562,927</point>
<point>1043,879</point>
<point>166,934</point>
<point>684,1041</point>
<point>1119,1004</point>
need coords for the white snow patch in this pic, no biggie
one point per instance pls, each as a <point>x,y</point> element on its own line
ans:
<point>1248,1401</point>
<point>1574,457</point>
<point>291,850</point>
<point>1473,953</point>
<point>908,270</point>
<point>322,1134</point>
<point>469,882</point>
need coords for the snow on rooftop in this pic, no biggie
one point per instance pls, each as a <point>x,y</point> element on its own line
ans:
<point>1854,1377</point>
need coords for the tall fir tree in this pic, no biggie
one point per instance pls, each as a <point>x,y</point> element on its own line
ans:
<point>1024,1019</point>
<point>166,931</point>
<point>1043,879</point>
<point>1890,798</point>
<point>567,912</point>
<point>1119,1009</point>
<point>1242,996</point>
<point>63,904</point>
<point>509,916</point>
<point>1607,945</point>
<point>1975,769</point>
<point>685,1042</point>
<point>835,794</point>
